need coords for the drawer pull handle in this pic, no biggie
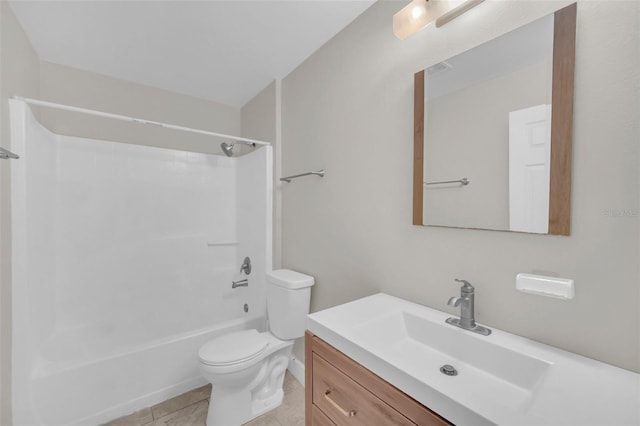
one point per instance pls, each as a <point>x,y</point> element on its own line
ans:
<point>344,412</point>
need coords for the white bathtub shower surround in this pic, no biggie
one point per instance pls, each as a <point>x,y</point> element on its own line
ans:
<point>123,258</point>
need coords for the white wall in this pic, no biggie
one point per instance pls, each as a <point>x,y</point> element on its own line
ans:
<point>19,72</point>
<point>254,195</point>
<point>259,120</point>
<point>349,109</point>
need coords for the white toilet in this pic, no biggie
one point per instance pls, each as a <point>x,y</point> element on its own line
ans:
<point>246,368</point>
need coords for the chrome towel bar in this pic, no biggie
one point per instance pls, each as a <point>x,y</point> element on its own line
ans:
<point>463,181</point>
<point>288,178</point>
<point>6,154</point>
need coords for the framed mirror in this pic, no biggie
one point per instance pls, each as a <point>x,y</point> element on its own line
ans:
<point>493,129</point>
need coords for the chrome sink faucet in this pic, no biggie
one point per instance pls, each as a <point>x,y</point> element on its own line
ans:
<point>466,303</point>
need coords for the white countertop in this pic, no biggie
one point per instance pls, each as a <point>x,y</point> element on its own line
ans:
<point>570,389</point>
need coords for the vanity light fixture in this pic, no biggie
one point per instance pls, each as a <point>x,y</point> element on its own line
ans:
<point>457,11</point>
<point>412,18</point>
<point>420,13</point>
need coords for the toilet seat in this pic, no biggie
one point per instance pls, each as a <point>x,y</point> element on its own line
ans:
<point>233,348</point>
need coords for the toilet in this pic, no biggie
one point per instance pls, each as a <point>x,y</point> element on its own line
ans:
<point>246,368</point>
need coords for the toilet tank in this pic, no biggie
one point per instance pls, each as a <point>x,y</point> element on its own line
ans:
<point>288,297</point>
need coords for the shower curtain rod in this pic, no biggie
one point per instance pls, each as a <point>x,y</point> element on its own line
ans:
<point>134,119</point>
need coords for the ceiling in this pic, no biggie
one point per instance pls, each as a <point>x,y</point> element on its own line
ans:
<point>222,51</point>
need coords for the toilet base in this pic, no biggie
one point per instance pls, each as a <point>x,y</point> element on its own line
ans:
<point>220,413</point>
<point>235,402</point>
<point>259,407</point>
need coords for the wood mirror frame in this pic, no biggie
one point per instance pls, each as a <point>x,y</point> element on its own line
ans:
<point>564,35</point>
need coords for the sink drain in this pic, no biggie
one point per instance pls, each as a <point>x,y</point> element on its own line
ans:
<point>449,370</point>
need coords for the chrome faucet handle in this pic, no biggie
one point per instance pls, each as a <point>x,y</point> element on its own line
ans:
<point>465,284</point>
<point>246,266</point>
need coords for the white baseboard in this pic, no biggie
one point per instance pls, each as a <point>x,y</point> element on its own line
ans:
<point>296,368</point>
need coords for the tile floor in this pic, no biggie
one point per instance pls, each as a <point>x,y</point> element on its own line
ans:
<point>190,409</point>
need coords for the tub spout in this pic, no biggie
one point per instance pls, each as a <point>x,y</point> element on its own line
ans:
<point>241,283</point>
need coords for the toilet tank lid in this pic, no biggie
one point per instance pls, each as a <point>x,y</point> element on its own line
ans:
<point>290,279</point>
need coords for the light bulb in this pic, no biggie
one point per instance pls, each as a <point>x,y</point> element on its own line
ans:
<point>411,19</point>
<point>420,13</point>
<point>417,12</point>
<point>416,15</point>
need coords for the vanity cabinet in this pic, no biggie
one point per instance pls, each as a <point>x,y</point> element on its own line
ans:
<point>339,391</point>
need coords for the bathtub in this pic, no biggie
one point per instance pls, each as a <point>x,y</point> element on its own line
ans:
<point>96,391</point>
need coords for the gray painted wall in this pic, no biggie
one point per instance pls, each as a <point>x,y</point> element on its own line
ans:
<point>71,86</point>
<point>349,109</point>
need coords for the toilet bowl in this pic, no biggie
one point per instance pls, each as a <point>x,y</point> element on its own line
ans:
<point>246,368</point>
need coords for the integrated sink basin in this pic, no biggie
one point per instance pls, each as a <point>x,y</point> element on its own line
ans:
<point>421,346</point>
<point>497,379</point>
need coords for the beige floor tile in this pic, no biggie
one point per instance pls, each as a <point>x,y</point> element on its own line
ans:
<point>179,402</point>
<point>268,419</point>
<point>193,415</point>
<point>291,412</point>
<point>138,418</point>
<point>289,416</point>
<point>190,409</point>
<point>291,384</point>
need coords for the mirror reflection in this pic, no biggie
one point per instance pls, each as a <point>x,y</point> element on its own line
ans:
<point>487,154</point>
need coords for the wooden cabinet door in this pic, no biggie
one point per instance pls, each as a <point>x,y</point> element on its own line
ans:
<point>347,403</point>
<point>339,391</point>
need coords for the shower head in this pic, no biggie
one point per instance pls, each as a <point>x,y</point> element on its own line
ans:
<point>227,148</point>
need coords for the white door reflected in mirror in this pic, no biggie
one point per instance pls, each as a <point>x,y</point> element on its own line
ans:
<point>529,167</point>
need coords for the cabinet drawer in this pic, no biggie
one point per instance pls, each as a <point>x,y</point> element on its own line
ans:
<point>345,402</point>
<point>318,418</point>
<point>350,384</point>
